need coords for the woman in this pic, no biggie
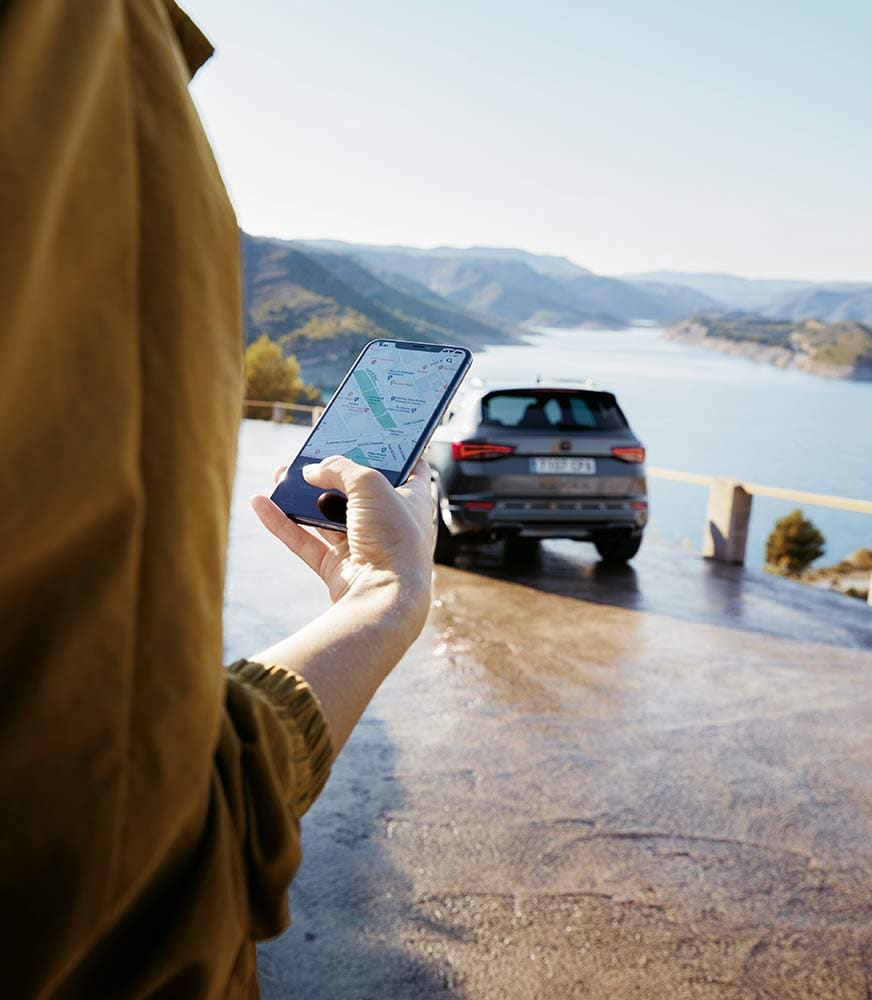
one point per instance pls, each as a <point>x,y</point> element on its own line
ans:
<point>151,799</point>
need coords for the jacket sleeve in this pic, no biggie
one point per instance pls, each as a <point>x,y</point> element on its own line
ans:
<point>147,795</point>
<point>273,757</point>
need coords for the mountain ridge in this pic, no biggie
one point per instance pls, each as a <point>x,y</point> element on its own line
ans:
<point>775,298</point>
<point>516,286</point>
<point>324,308</point>
<point>323,299</point>
<point>545,263</point>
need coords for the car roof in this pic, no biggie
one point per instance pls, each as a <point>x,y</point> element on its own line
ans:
<point>477,386</point>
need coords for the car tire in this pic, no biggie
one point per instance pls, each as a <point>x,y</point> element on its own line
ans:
<point>521,550</point>
<point>445,549</point>
<point>617,547</point>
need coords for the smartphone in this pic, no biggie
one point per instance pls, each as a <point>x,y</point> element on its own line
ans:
<point>382,415</point>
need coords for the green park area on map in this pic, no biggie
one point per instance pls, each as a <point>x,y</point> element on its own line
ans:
<point>373,397</point>
<point>358,455</point>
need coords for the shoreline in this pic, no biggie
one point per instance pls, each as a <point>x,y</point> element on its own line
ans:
<point>777,357</point>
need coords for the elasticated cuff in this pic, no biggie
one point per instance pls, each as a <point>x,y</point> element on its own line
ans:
<point>299,711</point>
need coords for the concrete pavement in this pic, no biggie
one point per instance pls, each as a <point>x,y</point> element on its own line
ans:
<point>645,783</point>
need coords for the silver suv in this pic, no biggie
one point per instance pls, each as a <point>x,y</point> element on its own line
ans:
<point>530,462</point>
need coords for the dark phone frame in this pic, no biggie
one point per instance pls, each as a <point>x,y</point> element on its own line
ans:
<point>395,478</point>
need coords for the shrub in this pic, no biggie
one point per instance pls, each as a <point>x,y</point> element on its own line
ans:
<point>794,544</point>
<point>271,377</point>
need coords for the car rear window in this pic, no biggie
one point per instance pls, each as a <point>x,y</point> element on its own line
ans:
<point>559,410</point>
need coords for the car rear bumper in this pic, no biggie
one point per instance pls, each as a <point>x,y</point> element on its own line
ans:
<point>557,517</point>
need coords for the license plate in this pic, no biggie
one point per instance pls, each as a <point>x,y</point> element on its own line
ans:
<point>563,466</point>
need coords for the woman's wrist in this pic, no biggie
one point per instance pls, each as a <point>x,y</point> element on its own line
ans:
<point>399,601</point>
<point>347,652</point>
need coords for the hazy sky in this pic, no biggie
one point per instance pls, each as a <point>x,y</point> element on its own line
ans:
<point>627,135</point>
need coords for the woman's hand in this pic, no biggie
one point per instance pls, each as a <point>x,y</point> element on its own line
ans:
<point>389,542</point>
<point>378,575</point>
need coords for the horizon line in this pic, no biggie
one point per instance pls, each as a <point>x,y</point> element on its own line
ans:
<point>557,256</point>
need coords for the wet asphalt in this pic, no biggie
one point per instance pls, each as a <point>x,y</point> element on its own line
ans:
<point>651,782</point>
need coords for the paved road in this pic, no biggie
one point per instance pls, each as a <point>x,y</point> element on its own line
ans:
<point>648,783</point>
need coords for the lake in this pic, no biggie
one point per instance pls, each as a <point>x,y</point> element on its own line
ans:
<point>701,411</point>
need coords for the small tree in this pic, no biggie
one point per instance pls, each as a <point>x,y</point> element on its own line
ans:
<point>794,544</point>
<point>271,377</point>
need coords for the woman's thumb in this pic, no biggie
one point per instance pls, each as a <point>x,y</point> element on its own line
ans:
<point>339,473</point>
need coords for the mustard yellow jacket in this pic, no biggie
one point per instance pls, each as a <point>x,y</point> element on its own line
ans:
<point>150,800</point>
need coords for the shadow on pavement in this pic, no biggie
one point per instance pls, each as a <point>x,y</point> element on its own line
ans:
<point>350,907</point>
<point>684,586</point>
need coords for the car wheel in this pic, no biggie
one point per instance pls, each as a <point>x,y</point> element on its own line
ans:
<point>445,550</point>
<point>618,547</point>
<point>521,550</point>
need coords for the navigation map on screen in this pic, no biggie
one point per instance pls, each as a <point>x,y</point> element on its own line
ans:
<point>384,407</point>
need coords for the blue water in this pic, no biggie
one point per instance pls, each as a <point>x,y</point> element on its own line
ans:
<point>701,411</point>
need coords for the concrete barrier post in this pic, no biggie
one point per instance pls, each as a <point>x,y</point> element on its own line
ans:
<point>278,413</point>
<point>869,595</point>
<point>726,522</point>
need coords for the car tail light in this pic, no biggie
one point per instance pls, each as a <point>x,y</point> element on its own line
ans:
<point>640,505</point>
<point>634,454</point>
<point>479,504</point>
<point>478,450</point>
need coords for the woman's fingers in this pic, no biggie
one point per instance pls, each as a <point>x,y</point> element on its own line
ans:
<point>331,536</point>
<point>360,483</point>
<point>340,473</point>
<point>279,474</point>
<point>421,473</point>
<point>310,548</point>
<point>418,483</point>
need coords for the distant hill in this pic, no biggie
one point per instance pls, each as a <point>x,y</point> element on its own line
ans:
<point>658,303</point>
<point>730,291</point>
<point>323,299</point>
<point>554,267</point>
<point>835,350</point>
<point>677,300</point>
<point>776,299</point>
<point>508,290</point>
<point>324,307</point>
<point>833,303</point>
<point>503,286</point>
<point>519,287</point>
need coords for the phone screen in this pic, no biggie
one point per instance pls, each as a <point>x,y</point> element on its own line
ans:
<point>382,416</point>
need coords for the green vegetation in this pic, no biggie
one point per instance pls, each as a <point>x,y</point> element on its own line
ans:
<point>272,377</point>
<point>836,343</point>
<point>331,325</point>
<point>850,576</point>
<point>739,326</point>
<point>843,348</point>
<point>793,544</point>
<point>324,307</point>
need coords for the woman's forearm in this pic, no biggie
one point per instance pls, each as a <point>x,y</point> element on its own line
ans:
<point>347,652</point>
